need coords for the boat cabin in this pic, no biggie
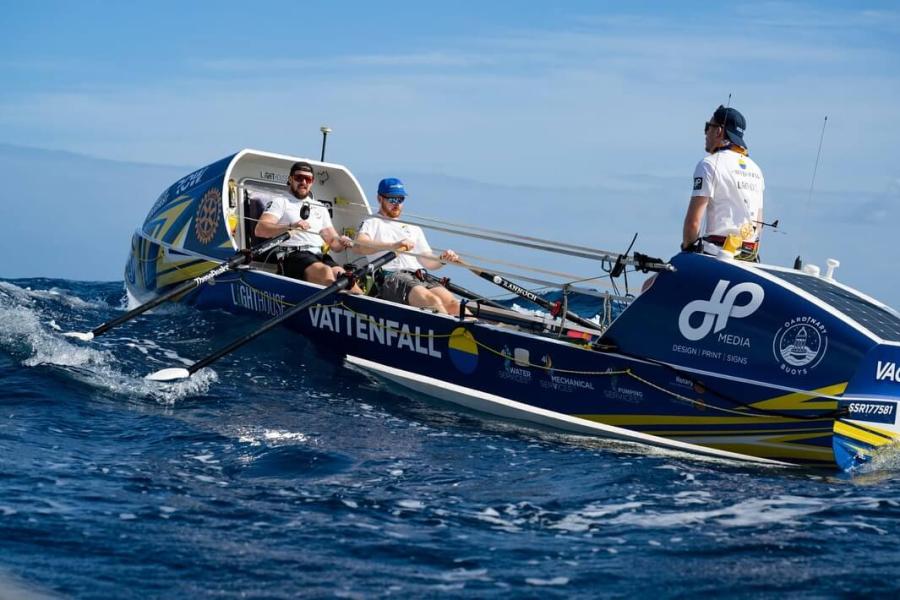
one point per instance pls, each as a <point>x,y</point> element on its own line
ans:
<point>255,178</point>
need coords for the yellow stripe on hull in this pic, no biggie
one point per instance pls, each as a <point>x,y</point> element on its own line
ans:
<point>164,221</point>
<point>873,436</point>
<point>631,420</point>
<point>764,449</point>
<point>183,274</point>
<point>804,401</point>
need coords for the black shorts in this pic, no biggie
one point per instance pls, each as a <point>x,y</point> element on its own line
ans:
<point>398,284</point>
<point>295,263</point>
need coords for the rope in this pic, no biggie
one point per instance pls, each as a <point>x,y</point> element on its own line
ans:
<point>542,282</point>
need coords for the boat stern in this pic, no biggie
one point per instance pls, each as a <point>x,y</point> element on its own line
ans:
<point>868,424</point>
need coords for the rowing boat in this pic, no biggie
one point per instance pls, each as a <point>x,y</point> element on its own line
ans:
<point>718,357</point>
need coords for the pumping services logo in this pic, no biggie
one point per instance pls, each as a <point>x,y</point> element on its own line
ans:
<point>722,305</point>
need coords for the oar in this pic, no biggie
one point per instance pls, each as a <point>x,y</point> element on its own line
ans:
<point>240,258</point>
<point>346,280</point>
<point>552,307</point>
<point>424,275</point>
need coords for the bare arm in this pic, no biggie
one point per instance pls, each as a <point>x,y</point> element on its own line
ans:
<point>692,220</point>
<point>447,256</point>
<point>335,241</point>
<point>268,227</point>
<point>366,245</point>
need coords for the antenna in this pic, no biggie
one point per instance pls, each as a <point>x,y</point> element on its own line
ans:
<point>813,182</point>
<point>816,167</point>
<point>325,131</point>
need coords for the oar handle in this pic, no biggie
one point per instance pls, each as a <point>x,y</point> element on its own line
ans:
<point>346,280</point>
<point>242,257</point>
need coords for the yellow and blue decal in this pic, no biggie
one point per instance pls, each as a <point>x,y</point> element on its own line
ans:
<point>463,350</point>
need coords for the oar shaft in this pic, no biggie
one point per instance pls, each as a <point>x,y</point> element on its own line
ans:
<point>531,296</point>
<point>237,259</point>
<point>458,289</point>
<point>340,284</point>
<point>344,282</point>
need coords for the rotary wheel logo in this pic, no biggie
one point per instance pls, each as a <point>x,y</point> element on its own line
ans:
<point>208,214</point>
<point>800,345</point>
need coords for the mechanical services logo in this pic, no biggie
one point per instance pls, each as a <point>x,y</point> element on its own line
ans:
<point>722,305</point>
<point>800,345</point>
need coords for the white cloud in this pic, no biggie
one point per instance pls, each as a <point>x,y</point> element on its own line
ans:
<point>613,97</point>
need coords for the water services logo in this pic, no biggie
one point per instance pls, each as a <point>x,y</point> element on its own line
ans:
<point>800,345</point>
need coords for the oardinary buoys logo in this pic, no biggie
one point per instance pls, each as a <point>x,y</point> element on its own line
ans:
<point>463,350</point>
<point>800,345</point>
<point>209,211</point>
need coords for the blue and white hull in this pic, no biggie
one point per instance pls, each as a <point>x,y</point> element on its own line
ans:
<point>718,357</point>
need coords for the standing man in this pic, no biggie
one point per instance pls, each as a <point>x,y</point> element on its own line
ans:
<point>310,226</point>
<point>728,190</point>
<point>381,232</point>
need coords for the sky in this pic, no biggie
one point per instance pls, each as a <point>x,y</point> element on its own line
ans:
<point>585,117</point>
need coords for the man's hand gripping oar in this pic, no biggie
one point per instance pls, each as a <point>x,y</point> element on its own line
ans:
<point>241,258</point>
<point>345,281</point>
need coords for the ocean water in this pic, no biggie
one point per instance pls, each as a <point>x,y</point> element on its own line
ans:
<point>281,474</point>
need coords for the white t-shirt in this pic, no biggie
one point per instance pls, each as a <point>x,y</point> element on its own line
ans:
<point>381,229</point>
<point>287,211</point>
<point>734,185</point>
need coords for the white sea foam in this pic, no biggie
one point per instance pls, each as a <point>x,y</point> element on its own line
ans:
<point>23,333</point>
<point>885,460</point>
<point>593,514</point>
<point>545,582</point>
<point>747,513</point>
<point>28,296</point>
<point>257,436</point>
<point>847,525</point>
<point>456,575</point>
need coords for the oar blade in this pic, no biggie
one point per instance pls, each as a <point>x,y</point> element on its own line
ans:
<point>78,335</point>
<point>170,374</point>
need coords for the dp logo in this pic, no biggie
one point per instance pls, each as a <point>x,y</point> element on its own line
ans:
<point>740,301</point>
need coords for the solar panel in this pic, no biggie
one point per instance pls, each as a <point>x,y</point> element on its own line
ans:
<point>883,323</point>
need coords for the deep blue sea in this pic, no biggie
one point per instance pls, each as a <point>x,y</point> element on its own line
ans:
<point>280,474</point>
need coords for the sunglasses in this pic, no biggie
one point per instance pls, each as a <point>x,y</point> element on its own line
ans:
<point>394,199</point>
<point>707,126</point>
<point>302,177</point>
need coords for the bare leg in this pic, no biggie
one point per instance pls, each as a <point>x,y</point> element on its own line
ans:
<point>422,297</point>
<point>319,273</point>
<point>448,300</point>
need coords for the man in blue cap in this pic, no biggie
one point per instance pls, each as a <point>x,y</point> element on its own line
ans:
<point>728,190</point>
<point>382,232</point>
